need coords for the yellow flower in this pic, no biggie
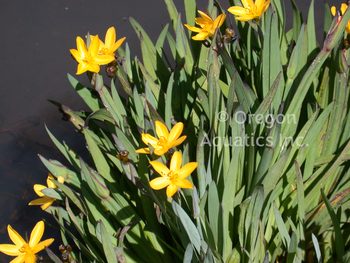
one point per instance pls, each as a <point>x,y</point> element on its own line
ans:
<point>343,8</point>
<point>109,46</point>
<point>89,60</point>
<point>251,10</point>
<point>166,140</point>
<point>45,201</point>
<point>173,177</point>
<point>24,251</point>
<point>208,26</point>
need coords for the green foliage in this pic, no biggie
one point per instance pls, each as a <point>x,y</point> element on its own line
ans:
<point>267,120</point>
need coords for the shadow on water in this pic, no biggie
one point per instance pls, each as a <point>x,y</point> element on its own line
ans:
<point>39,34</point>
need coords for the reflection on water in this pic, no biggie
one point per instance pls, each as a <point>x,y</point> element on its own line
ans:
<point>39,34</point>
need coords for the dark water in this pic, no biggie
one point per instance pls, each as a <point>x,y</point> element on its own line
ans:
<point>35,58</point>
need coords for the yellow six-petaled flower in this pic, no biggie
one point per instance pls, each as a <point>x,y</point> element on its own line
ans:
<point>45,201</point>
<point>251,10</point>
<point>165,139</point>
<point>110,45</point>
<point>207,26</point>
<point>174,176</point>
<point>343,8</point>
<point>24,251</point>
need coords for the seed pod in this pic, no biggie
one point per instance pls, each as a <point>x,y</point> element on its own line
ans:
<point>230,32</point>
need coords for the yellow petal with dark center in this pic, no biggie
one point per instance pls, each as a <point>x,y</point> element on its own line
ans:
<point>37,188</point>
<point>176,131</point>
<point>10,250</point>
<point>206,17</point>
<point>160,168</point>
<point>148,139</point>
<point>117,44</point>
<point>81,47</point>
<point>333,10</point>
<point>176,161</point>
<point>42,245</point>
<point>15,237</point>
<point>201,36</point>
<point>186,170</point>
<point>219,21</point>
<point>161,130</point>
<point>143,150</point>
<point>237,10</point>
<point>183,183</point>
<point>159,183</point>
<point>36,234</point>
<point>19,259</point>
<point>94,46</point>
<point>194,29</point>
<point>171,190</point>
<point>110,38</point>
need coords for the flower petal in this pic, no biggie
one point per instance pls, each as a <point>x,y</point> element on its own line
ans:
<point>41,201</point>
<point>15,237</point>
<point>175,131</point>
<point>237,10</point>
<point>219,21</point>
<point>143,150</point>
<point>110,38</point>
<point>248,4</point>
<point>93,68</point>
<point>178,141</point>
<point>47,204</point>
<point>76,55</point>
<point>49,183</point>
<point>42,245</point>
<point>160,151</point>
<point>160,168</point>
<point>176,161</point>
<point>193,28</point>
<point>159,183</point>
<point>94,46</point>
<point>161,130</point>
<point>186,170</point>
<point>117,44</point>
<point>201,36</point>
<point>333,10</point>
<point>30,258</point>
<point>36,234</point>
<point>103,59</point>
<point>148,139</point>
<point>11,250</point>
<point>171,190</point>
<point>206,17</point>
<point>343,8</point>
<point>81,46</point>
<point>83,67</point>
<point>37,188</point>
<point>20,259</point>
<point>183,183</point>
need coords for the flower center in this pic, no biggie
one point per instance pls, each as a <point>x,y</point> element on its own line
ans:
<point>25,249</point>
<point>87,58</point>
<point>172,175</point>
<point>104,51</point>
<point>162,141</point>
